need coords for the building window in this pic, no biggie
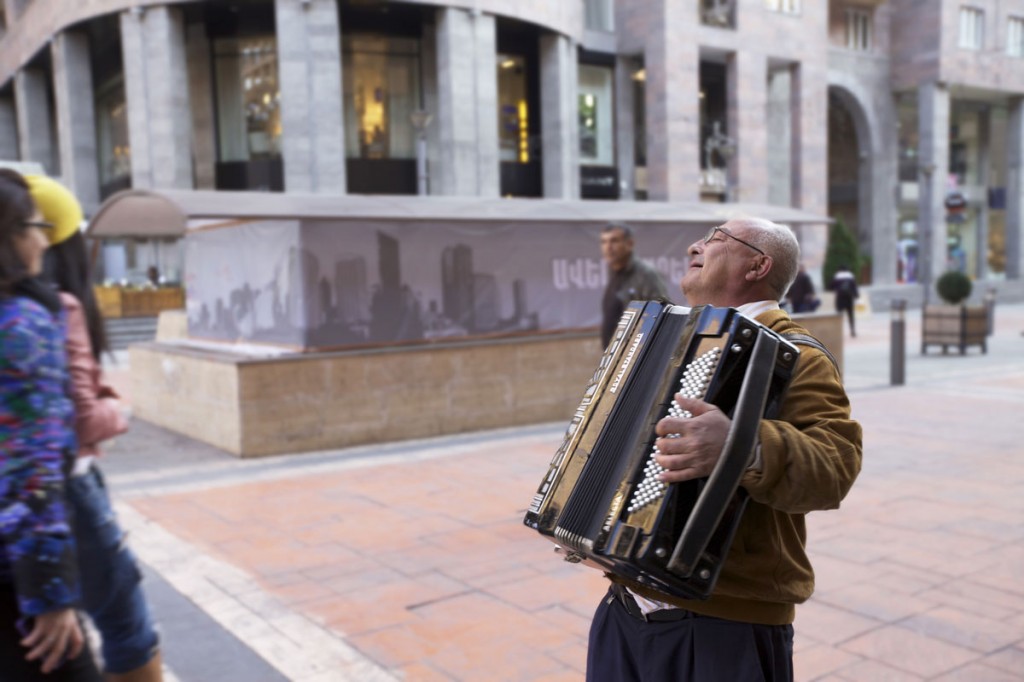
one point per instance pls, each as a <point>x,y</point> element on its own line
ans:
<point>858,29</point>
<point>596,85</point>
<point>599,15</point>
<point>113,152</point>
<point>718,13</point>
<point>1015,37</point>
<point>248,98</point>
<point>513,112</point>
<point>381,77</point>
<point>972,28</point>
<point>783,6</point>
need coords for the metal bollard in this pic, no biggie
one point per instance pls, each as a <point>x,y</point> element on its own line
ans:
<point>897,348</point>
<point>990,310</point>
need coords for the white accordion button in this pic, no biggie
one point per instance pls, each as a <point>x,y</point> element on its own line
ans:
<point>692,384</point>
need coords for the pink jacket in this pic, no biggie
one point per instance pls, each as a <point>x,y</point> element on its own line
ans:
<point>97,412</point>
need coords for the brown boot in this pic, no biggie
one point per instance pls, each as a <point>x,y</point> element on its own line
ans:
<point>153,671</point>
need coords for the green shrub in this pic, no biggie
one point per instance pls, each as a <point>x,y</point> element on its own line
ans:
<point>953,287</point>
<point>842,249</point>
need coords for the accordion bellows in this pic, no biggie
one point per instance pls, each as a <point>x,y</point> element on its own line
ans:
<point>601,500</point>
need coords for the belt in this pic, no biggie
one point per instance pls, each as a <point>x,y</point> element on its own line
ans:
<point>624,597</point>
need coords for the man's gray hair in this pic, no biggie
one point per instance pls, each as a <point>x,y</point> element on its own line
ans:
<point>627,231</point>
<point>779,242</point>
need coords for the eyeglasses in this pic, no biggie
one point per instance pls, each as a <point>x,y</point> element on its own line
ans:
<point>709,237</point>
<point>41,224</point>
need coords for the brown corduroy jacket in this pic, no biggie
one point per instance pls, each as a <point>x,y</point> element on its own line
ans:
<point>811,456</point>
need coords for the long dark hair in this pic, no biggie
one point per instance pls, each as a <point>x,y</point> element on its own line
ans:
<point>16,208</point>
<point>67,265</point>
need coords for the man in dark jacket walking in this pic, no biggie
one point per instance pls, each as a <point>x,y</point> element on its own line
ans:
<point>629,278</point>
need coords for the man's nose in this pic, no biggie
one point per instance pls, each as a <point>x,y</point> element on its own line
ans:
<point>695,248</point>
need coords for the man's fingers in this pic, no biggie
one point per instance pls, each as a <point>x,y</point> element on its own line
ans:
<point>55,656</point>
<point>75,642</point>
<point>694,406</point>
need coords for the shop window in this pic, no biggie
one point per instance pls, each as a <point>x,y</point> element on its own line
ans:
<point>597,145</point>
<point>1015,37</point>
<point>381,91</point>
<point>858,29</point>
<point>513,110</point>
<point>972,28</point>
<point>248,98</point>
<point>783,6</point>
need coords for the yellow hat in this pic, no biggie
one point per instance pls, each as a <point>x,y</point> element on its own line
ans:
<point>58,206</point>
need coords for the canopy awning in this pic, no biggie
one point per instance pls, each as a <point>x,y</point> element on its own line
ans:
<point>170,213</point>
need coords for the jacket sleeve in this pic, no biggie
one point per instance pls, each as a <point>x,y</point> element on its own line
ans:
<point>811,454</point>
<point>34,434</point>
<point>97,413</point>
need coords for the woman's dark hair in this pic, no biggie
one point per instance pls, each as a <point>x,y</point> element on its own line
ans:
<point>16,208</point>
<point>67,265</point>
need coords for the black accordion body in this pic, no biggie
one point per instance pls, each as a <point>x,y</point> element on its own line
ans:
<point>601,500</point>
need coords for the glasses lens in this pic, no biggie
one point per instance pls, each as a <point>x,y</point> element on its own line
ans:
<point>710,234</point>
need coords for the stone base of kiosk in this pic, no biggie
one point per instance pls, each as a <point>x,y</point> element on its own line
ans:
<point>269,406</point>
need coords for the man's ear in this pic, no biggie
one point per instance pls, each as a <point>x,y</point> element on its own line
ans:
<point>759,269</point>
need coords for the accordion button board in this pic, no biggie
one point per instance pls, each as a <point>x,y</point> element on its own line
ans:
<point>602,500</point>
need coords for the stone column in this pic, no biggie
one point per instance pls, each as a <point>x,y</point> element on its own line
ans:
<point>8,128</point>
<point>1015,189</point>
<point>809,137</point>
<point>309,63</point>
<point>35,132</point>
<point>672,65</point>
<point>625,127</point>
<point>200,92</point>
<point>156,87</point>
<point>559,84</point>
<point>76,116</point>
<point>747,88</point>
<point>933,156</point>
<point>467,106</point>
<point>984,177</point>
<point>778,143</point>
<point>879,186</point>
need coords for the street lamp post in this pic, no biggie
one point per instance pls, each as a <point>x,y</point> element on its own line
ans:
<point>420,119</point>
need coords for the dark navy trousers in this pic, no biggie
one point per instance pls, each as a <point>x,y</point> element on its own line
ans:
<point>625,648</point>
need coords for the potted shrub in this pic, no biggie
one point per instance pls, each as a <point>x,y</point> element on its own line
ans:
<point>954,287</point>
<point>955,323</point>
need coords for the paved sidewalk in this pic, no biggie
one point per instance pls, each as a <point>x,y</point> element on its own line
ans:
<point>409,560</point>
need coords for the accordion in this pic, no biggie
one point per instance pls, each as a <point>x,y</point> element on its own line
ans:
<point>601,500</point>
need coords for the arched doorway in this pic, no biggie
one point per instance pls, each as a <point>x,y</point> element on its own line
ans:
<point>849,171</point>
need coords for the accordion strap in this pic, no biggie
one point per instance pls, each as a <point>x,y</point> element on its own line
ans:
<point>808,340</point>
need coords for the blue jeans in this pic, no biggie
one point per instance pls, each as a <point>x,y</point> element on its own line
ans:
<point>111,580</point>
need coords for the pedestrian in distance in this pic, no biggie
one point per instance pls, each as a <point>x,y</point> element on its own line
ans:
<point>806,459</point>
<point>844,285</point>
<point>111,581</point>
<point>41,637</point>
<point>801,294</point>
<point>629,278</point>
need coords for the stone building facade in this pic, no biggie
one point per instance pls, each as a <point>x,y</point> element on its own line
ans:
<point>879,112</point>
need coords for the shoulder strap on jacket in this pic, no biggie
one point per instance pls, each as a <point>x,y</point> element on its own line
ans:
<point>808,340</point>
